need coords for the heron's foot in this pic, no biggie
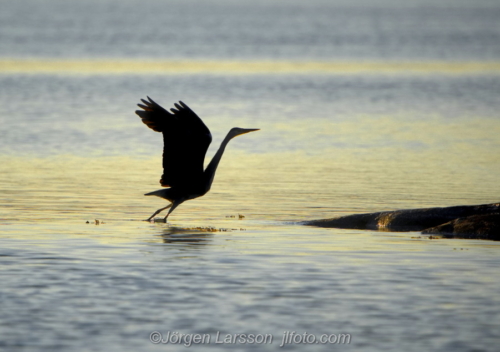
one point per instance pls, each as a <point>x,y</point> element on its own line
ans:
<point>151,218</point>
<point>156,220</point>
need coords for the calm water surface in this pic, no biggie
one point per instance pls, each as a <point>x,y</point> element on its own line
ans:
<point>72,152</point>
<point>77,153</point>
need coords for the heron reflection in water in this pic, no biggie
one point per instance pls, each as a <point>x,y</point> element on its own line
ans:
<point>185,143</point>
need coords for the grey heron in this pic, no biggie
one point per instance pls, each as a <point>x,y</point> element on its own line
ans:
<point>185,143</point>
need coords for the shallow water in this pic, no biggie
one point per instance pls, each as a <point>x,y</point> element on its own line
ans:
<point>377,130</point>
<point>81,286</point>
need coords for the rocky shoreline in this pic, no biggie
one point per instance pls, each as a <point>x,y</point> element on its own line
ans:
<point>465,221</point>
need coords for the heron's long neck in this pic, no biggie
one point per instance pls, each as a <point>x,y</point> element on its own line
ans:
<point>212,167</point>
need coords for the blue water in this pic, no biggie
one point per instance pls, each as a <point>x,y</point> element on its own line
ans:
<point>236,261</point>
<point>224,29</point>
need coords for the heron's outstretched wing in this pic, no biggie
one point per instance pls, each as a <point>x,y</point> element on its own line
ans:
<point>186,140</point>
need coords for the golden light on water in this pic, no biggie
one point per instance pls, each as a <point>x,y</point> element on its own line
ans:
<point>296,185</point>
<point>243,67</point>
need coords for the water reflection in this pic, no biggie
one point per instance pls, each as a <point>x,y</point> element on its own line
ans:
<point>187,236</point>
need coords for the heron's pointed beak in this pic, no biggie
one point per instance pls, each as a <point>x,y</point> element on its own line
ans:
<point>237,131</point>
<point>247,130</point>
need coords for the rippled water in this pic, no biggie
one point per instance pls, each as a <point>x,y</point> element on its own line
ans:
<point>236,260</point>
<point>229,29</point>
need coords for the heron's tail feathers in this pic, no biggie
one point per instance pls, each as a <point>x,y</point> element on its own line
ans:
<point>162,193</point>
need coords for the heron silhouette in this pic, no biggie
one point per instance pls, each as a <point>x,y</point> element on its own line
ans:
<point>185,143</point>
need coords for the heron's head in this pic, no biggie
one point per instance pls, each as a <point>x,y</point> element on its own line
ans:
<point>239,131</point>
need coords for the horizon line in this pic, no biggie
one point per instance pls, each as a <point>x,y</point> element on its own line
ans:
<point>144,66</point>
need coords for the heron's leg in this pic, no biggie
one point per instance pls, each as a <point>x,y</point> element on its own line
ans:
<point>158,211</point>
<point>174,205</point>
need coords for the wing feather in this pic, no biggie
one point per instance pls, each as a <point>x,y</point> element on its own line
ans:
<point>186,140</point>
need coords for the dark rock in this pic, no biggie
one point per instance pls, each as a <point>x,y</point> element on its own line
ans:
<point>355,221</point>
<point>406,220</point>
<point>485,226</point>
